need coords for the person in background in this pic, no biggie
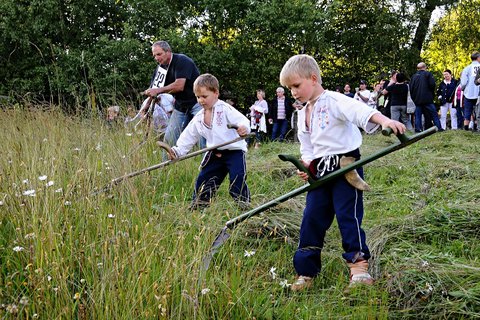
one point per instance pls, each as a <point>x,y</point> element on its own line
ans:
<point>398,93</point>
<point>363,94</point>
<point>328,130</point>
<point>446,96</point>
<point>470,90</point>
<point>174,74</point>
<point>422,90</point>
<point>347,89</point>
<point>279,114</point>
<point>458,104</point>
<point>258,113</point>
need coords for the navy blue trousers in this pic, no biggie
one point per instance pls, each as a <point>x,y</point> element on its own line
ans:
<point>215,166</point>
<point>335,198</point>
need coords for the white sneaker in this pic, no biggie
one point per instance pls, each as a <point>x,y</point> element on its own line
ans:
<point>301,283</point>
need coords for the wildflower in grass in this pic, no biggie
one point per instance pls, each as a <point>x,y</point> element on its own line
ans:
<point>25,181</point>
<point>272,273</point>
<point>49,278</point>
<point>98,147</point>
<point>285,284</point>
<point>12,308</point>
<point>42,178</point>
<point>23,301</point>
<point>59,190</point>
<point>111,216</point>
<point>82,281</point>
<point>205,291</point>
<point>248,253</point>
<point>129,134</point>
<point>50,183</point>
<point>425,264</point>
<point>99,265</point>
<point>1,202</point>
<point>68,203</point>
<point>35,316</point>
<point>76,149</point>
<point>29,193</point>
<point>76,296</point>
<point>18,248</point>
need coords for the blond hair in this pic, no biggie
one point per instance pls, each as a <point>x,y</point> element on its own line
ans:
<point>208,81</point>
<point>301,65</point>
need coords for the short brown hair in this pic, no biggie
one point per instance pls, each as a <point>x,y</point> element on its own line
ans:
<point>208,81</point>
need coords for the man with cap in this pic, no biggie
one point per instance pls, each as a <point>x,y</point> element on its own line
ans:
<point>470,89</point>
<point>362,94</point>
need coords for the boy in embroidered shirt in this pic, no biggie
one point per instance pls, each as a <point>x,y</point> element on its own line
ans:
<point>211,123</point>
<point>327,130</point>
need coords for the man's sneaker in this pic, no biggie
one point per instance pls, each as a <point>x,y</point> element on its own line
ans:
<point>359,273</point>
<point>301,283</point>
<point>199,205</point>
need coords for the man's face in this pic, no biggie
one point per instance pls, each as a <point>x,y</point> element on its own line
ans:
<point>280,94</point>
<point>161,56</point>
<point>363,86</point>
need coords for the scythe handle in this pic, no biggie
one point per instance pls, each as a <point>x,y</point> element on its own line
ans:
<point>394,147</point>
<point>118,180</point>
<point>298,164</point>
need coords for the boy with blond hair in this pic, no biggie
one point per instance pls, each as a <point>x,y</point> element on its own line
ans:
<point>327,131</point>
<point>211,123</point>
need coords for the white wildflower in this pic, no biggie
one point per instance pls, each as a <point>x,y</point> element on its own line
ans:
<point>111,216</point>
<point>42,178</point>
<point>1,203</point>
<point>249,253</point>
<point>44,140</point>
<point>49,278</point>
<point>98,147</point>
<point>99,265</point>
<point>76,149</point>
<point>68,203</point>
<point>30,193</point>
<point>24,301</point>
<point>18,248</point>
<point>129,134</point>
<point>285,284</point>
<point>205,291</point>
<point>25,181</point>
<point>35,316</point>
<point>59,190</point>
<point>425,264</point>
<point>50,183</point>
<point>429,287</point>
<point>272,272</point>
<point>12,308</point>
<point>82,280</point>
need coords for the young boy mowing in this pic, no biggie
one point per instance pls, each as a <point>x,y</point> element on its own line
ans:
<point>327,131</point>
<point>211,123</point>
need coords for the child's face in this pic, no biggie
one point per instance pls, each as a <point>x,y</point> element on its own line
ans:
<point>206,97</point>
<point>302,89</point>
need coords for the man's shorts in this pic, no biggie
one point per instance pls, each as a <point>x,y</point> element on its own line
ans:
<point>468,107</point>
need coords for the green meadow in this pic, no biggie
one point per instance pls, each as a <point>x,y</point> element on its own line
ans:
<point>136,251</point>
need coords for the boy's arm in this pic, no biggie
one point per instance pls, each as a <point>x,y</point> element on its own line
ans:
<point>385,122</point>
<point>236,118</point>
<point>188,138</point>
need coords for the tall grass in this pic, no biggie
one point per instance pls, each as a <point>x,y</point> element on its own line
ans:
<point>136,252</point>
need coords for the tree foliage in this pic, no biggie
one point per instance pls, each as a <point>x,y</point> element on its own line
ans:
<point>92,53</point>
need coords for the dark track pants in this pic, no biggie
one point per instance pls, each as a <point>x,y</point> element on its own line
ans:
<point>336,198</point>
<point>215,169</point>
